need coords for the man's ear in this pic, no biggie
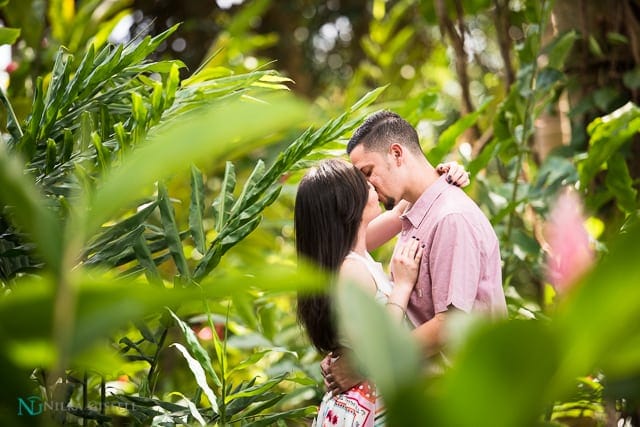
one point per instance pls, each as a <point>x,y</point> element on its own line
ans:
<point>396,151</point>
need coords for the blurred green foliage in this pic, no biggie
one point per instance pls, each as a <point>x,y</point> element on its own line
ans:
<point>146,242</point>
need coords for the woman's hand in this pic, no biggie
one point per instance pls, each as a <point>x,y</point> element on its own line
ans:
<point>456,174</point>
<point>405,263</point>
<point>405,266</point>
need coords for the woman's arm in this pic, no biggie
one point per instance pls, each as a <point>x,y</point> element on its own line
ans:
<point>385,226</point>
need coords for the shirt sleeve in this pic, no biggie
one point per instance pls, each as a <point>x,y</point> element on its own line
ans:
<point>455,264</point>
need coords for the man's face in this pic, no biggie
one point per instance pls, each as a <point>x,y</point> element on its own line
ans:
<point>377,167</point>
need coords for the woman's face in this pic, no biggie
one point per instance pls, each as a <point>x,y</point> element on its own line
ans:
<point>372,208</point>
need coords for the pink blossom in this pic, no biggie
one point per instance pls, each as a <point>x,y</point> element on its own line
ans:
<point>570,253</point>
<point>205,333</point>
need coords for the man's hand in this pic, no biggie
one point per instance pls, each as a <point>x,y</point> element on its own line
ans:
<point>338,374</point>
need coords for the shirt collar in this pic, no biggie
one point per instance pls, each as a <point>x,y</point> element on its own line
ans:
<point>416,213</point>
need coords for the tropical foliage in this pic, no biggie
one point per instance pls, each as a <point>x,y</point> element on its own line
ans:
<point>146,250</point>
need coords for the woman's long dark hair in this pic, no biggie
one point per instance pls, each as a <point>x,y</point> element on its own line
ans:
<point>329,205</point>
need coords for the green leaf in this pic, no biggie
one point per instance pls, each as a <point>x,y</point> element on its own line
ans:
<point>145,259</point>
<point>51,156</point>
<point>598,319</point>
<point>199,375</point>
<point>13,126</point>
<point>620,183</point>
<point>250,190</point>
<point>594,46</point>
<point>9,35</point>
<point>256,390</point>
<point>608,134</point>
<point>498,357</point>
<point>112,232</point>
<point>224,201</point>
<point>192,407</point>
<point>171,234</point>
<point>196,210</point>
<point>546,80</point>
<point>248,362</point>
<point>367,99</point>
<point>385,350</point>
<point>631,78</point>
<point>559,48</point>
<point>101,151</point>
<point>196,349</point>
<point>29,211</point>
<point>113,251</point>
<point>448,138</point>
<point>163,155</point>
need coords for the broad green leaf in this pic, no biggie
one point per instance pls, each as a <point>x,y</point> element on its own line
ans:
<point>244,306</point>
<point>501,358</point>
<point>101,151</point>
<point>166,152</point>
<point>601,313</point>
<point>196,349</point>
<point>620,183</point>
<point>258,389</point>
<point>546,79</point>
<point>55,92</point>
<point>224,201</point>
<point>13,126</point>
<point>385,350</point>
<point>100,309</point>
<point>171,233</point>
<point>61,14</point>
<point>9,35</point>
<point>113,251</point>
<point>86,130</point>
<point>272,419</point>
<point>196,210</point>
<point>112,232</point>
<point>240,233</point>
<point>608,134</point>
<point>448,138</point>
<point>51,156</point>
<point>256,405</point>
<point>249,361</point>
<point>367,99</point>
<point>249,190</point>
<point>156,67</point>
<point>199,375</point>
<point>27,144</point>
<point>631,78</point>
<point>193,409</point>
<point>559,48</point>
<point>145,259</point>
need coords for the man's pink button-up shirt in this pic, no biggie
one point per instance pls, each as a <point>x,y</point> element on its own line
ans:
<point>461,264</point>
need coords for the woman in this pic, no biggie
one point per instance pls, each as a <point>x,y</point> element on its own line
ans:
<point>334,206</point>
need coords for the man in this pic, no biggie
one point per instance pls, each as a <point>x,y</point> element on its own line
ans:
<point>461,266</point>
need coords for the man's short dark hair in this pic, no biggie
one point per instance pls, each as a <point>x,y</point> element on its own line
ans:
<point>383,128</point>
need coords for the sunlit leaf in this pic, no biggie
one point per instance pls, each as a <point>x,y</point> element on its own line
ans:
<point>196,348</point>
<point>199,375</point>
<point>196,210</point>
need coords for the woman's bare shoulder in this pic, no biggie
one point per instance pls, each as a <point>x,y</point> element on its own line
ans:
<point>355,271</point>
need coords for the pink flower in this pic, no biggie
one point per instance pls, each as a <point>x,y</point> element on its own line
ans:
<point>570,253</point>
